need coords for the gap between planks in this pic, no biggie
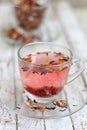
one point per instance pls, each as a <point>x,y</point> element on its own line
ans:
<point>14,69</point>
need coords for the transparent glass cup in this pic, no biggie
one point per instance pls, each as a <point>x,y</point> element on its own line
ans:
<point>45,86</point>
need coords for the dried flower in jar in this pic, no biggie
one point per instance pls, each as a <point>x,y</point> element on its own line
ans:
<point>29,14</point>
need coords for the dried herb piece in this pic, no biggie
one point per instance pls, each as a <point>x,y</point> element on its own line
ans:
<point>61,103</point>
<point>66,58</point>
<point>31,103</point>
<point>52,62</point>
<point>41,109</point>
<point>25,68</point>
<point>27,58</point>
<point>51,108</point>
<point>15,35</point>
<point>64,103</point>
<point>18,107</point>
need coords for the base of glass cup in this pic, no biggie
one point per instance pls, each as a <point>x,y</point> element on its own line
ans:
<point>42,100</point>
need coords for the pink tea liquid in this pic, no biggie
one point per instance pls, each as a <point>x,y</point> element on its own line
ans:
<point>43,74</point>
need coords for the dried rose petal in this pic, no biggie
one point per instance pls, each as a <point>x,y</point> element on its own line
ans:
<point>61,103</point>
<point>64,103</point>
<point>58,103</point>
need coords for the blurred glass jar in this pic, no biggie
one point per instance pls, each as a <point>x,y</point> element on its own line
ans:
<point>30,13</point>
<point>22,23</point>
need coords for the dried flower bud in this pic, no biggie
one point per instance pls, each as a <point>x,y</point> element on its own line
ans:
<point>42,109</point>
<point>31,104</point>
<point>61,103</point>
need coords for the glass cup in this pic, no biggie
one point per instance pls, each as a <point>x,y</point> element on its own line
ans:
<point>44,82</point>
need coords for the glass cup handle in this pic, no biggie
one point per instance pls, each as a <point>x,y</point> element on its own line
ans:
<point>81,67</point>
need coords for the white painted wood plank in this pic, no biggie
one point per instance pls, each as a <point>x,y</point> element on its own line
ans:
<point>82,18</point>
<point>59,124</point>
<point>72,29</point>
<point>77,40</point>
<point>7,121</point>
<point>31,124</point>
<point>80,119</point>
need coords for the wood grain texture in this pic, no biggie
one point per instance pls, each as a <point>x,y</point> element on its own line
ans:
<point>74,35</point>
<point>9,65</point>
<point>7,121</point>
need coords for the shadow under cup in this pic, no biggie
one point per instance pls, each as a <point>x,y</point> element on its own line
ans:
<point>40,81</point>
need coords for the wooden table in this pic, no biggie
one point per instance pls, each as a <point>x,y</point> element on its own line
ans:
<point>8,67</point>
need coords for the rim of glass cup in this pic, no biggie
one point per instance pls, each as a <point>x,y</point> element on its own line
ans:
<point>42,43</point>
<point>41,2</point>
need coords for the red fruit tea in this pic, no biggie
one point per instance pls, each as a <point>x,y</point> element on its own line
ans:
<point>44,74</point>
